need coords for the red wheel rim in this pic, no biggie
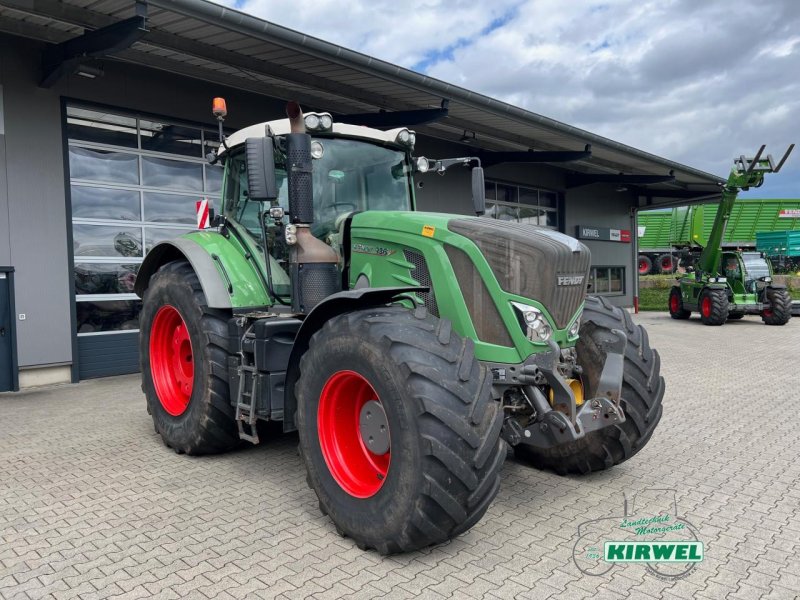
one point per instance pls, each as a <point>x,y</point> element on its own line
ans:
<point>705,306</point>
<point>359,471</point>
<point>171,360</point>
<point>643,268</point>
<point>666,264</point>
<point>673,303</point>
<point>767,312</point>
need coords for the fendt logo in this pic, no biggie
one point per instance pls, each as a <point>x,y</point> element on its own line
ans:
<point>654,551</point>
<point>570,279</point>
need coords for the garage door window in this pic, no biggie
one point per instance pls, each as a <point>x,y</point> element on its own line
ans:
<point>134,182</point>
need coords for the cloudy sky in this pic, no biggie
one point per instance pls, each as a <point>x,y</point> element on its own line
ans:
<point>698,82</point>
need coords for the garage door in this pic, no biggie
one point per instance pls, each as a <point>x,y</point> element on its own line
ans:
<point>134,181</point>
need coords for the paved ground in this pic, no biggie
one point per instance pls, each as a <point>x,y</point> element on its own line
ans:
<point>92,504</point>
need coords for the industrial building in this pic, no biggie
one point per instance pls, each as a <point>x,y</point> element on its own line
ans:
<point>105,121</point>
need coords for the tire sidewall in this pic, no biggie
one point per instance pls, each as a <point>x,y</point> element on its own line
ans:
<point>180,295</point>
<point>392,503</point>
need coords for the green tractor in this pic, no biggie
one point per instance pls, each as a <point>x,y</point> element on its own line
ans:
<point>407,349</point>
<point>727,285</point>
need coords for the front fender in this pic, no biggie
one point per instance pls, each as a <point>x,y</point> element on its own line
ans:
<point>228,279</point>
<point>335,304</point>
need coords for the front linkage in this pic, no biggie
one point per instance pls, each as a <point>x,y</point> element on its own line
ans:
<point>563,420</point>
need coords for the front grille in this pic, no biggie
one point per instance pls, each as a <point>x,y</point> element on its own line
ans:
<point>532,262</point>
<point>482,310</point>
<point>421,274</point>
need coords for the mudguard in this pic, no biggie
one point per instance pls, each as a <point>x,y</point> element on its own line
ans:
<point>228,279</point>
<point>335,304</point>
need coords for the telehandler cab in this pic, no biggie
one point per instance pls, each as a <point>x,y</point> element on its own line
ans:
<point>406,348</point>
<point>727,285</point>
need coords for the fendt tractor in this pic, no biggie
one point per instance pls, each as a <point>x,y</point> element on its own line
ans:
<point>407,349</point>
<point>728,284</point>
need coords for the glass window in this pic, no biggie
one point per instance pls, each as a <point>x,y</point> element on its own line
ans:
<point>528,196</point>
<point>171,174</point>
<point>523,204</point>
<point>105,203</point>
<point>506,193</point>
<point>601,285</point>
<point>106,240</point>
<point>101,127</point>
<point>214,179</point>
<point>502,212</point>
<point>169,208</point>
<point>607,280</point>
<point>173,139</point>
<point>103,165</point>
<point>549,199</point>
<point>154,235</point>
<point>534,216</point>
<point>105,278</point>
<point>107,315</point>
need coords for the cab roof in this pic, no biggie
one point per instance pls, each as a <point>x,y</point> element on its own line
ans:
<point>282,127</point>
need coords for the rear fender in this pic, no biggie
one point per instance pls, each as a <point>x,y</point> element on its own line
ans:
<point>228,279</point>
<point>333,305</point>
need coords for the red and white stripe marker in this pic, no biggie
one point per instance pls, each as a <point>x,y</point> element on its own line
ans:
<point>202,214</point>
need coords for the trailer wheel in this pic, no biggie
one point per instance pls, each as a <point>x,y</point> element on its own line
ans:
<point>676,309</point>
<point>184,365</point>
<point>645,264</point>
<point>780,310</point>
<point>713,306</point>
<point>398,431</point>
<point>642,392</point>
<point>667,264</point>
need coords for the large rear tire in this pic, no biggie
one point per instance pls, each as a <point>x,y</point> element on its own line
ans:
<point>667,263</point>
<point>713,306</point>
<point>642,392</point>
<point>676,308</point>
<point>780,310</point>
<point>437,453</point>
<point>184,364</point>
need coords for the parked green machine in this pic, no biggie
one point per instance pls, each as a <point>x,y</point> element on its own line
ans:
<point>725,284</point>
<point>406,348</point>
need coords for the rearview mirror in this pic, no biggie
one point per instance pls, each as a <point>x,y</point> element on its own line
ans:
<point>478,191</point>
<point>260,158</point>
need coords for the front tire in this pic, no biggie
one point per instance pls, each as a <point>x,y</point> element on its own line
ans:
<point>676,308</point>
<point>780,310</point>
<point>642,392</point>
<point>713,306</point>
<point>184,364</point>
<point>440,468</point>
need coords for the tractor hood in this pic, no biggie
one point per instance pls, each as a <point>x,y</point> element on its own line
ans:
<point>526,260</point>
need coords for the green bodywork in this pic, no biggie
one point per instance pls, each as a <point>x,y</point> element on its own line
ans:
<point>690,226</point>
<point>733,271</point>
<point>378,241</point>
<point>242,276</point>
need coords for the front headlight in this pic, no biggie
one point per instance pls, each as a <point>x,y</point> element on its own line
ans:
<point>537,327</point>
<point>575,327</point>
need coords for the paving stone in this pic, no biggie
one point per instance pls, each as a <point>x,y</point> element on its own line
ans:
<point>99,508</point>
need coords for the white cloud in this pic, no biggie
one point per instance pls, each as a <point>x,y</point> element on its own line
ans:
<point>696,82</point>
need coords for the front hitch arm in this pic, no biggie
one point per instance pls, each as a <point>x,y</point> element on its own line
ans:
<point>569,423</point>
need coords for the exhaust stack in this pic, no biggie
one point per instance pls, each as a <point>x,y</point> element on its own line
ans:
<point>312,263</point>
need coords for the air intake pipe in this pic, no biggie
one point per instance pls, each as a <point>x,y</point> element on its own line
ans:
<point>312,263</point>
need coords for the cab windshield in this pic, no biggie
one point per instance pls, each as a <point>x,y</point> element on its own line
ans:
<point>349,176</point>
